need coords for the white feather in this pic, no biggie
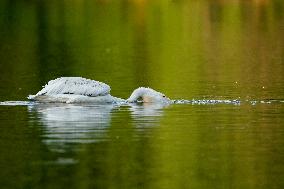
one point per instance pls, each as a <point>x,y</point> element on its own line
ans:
<point>81,90</point>
<point>75,86</point>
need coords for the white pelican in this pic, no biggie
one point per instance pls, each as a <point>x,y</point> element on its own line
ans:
<point>81,90</point>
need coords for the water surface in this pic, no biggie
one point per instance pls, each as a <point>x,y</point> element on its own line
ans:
<point>212,50</point>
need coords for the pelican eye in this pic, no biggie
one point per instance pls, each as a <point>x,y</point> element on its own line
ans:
<point>164,96</point>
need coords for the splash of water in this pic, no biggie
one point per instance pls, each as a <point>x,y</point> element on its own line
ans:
<point>206,102</point>
<point>178,101</point>
<point>18,103</point>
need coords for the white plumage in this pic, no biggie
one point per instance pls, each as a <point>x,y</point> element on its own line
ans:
<point>76,86</point>
<point>81,90</point>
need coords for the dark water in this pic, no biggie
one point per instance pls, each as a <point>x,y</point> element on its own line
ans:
<point>186,49</point>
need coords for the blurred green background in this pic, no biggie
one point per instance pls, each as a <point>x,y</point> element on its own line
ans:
<point>213,49</point>
<point>187,49</point>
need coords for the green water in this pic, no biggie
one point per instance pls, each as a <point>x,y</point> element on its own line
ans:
<point>185,49</point>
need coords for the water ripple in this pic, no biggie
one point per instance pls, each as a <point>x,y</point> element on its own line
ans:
<point>205,101</point>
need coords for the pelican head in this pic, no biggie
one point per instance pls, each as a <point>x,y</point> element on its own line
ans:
<point>148,95</point>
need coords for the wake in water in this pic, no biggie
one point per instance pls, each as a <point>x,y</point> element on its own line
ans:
<point>18,103</point>
<point>204,101</point>
<point>180,101</point>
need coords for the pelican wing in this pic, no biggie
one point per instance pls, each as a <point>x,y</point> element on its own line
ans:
<point>75,85</point>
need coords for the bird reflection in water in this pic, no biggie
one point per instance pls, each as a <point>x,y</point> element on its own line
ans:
<point>71,124</point>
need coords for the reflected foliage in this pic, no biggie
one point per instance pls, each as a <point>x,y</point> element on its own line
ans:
<point>211,49</point>
<point>189,43</point>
